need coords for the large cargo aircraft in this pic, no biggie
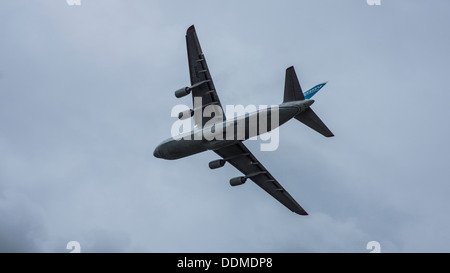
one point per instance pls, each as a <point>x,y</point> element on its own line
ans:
<point>211,132</point>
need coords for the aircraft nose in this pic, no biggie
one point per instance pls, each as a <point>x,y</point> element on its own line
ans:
<point>157,153</point>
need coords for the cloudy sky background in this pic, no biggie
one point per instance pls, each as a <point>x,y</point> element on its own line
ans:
<point>86,93</point>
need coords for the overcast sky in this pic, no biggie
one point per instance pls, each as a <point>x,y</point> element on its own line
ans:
<point>86,94</point>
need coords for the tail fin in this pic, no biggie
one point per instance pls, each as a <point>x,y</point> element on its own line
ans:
<point>292,88</point>
<point>293,92</point>
<point>311,92</point>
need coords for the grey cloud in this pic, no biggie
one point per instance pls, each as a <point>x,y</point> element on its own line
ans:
<point>86,93</point>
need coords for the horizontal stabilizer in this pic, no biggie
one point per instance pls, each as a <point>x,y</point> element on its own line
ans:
<point>292,88</point>
<point>310,119</point>
<point>311,92</point>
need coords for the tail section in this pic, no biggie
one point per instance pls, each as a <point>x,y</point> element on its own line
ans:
<point>311,92</point>
<point>310,119</point>
<point>293,92</point>
<point>292,88</point>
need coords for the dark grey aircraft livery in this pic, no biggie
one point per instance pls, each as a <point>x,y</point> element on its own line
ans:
<point>211,131</point>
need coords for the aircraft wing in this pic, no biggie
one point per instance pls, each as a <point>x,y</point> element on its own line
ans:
<point>200,76</point>
<point>242,159</point>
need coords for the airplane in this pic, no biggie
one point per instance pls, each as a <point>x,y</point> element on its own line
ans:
<point>296,104</point>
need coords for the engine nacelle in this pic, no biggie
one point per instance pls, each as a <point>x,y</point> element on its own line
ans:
<point>183,92</point>
<point>216,164</point>
<point>186,114</point>
<point>187,90</point>
<point>237,181</point>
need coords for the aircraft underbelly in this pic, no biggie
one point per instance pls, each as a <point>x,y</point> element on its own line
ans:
<point>227,133</point>
<point>177,149</point>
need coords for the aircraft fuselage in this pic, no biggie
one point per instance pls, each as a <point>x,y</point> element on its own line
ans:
<point>228,132</point>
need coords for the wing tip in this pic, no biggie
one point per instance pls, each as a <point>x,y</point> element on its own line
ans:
<point>191,28</point>
<point>304,213</point>
<point>290,67</point>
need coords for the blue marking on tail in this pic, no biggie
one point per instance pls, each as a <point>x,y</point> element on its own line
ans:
<point>311,92</point>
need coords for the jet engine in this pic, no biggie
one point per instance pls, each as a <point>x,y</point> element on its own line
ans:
<point>187,90</point>
<point>216,164</point>
<point>237,181</point>
<point>186,114</point>
<point>183,92</point>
